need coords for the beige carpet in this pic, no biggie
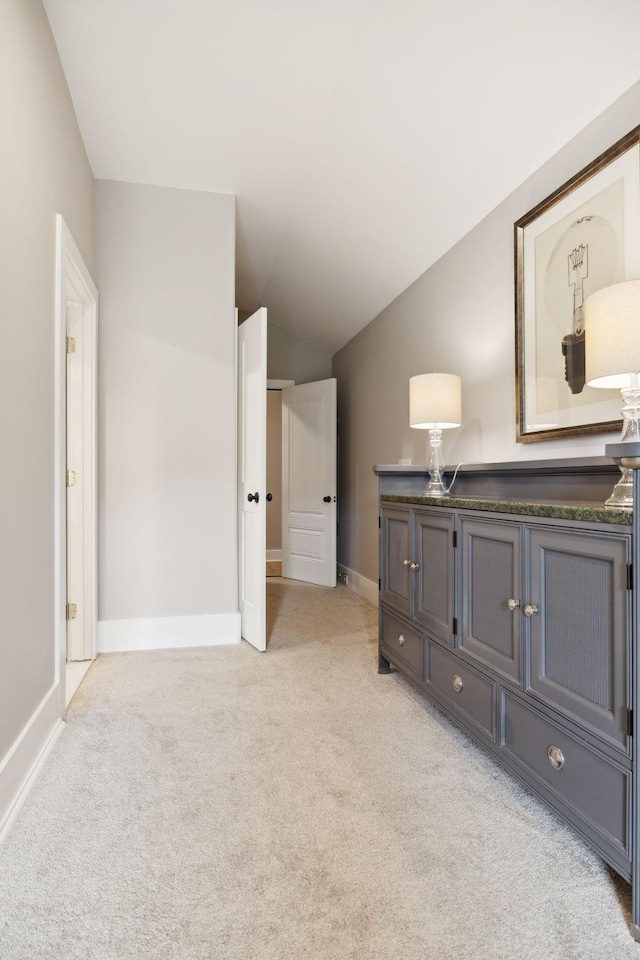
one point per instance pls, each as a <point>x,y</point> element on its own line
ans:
<point>222,803</point>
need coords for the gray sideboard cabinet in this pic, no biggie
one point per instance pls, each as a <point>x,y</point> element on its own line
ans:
<point>512,611</point>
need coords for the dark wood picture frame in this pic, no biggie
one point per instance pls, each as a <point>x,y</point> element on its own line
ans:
<point>616,246</point>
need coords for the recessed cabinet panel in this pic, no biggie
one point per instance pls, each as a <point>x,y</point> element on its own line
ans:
<point>395,573</point>
<point>433,552</point>
<point>578,663</point>
<point>491,577</point>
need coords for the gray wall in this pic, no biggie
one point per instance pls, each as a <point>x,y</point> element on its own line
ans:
<point>290,358</point>
<point>457,317</point>
<point>165,270</point>
<point>43,171</point>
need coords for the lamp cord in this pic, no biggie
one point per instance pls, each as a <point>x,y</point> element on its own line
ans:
<point>463,463</point>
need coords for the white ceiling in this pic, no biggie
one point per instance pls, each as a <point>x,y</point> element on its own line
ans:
<point>362,138</point>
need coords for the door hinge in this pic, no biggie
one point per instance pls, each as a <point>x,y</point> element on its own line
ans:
<point>71,344</point>
<point>454,538</point>
<point>71,478</point>
<point>379,584</point>
<point>455,626</point>
<point>72,611</point>
<point>629,722</point>
<point>629,576</point>
<point>379,522</point>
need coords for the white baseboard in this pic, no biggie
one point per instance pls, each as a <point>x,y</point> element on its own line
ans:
<point>273,555</point>
<point>118,636</point>
<point>360,585</point>
<point>20,768</point>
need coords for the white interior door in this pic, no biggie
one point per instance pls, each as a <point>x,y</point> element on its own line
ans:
<point>309,450</point>
<point>252,476</point>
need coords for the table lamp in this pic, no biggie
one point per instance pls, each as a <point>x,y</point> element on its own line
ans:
<point>612,347</point>
<point>434,405</point>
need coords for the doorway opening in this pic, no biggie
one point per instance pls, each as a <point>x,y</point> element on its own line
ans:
<point>75,466</point>
<point>274,476</point>
<point>308,504</point>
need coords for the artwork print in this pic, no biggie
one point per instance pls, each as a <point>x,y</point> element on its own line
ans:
<point>584,237</point>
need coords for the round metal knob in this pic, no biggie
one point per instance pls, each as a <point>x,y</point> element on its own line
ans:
<point>406,562</point>
<point>327,499</point>
<point>530,610</point>
<point>253,496</point>
<point>269,497</point>
<point>555,757</point>
<point>457,683</point>
<point>414,566</point>
<point>401,640</point>
<point>513,604</point>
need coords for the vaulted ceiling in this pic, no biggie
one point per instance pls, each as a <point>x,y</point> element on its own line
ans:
<point>362,138</point>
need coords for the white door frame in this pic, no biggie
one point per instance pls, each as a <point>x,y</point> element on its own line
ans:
<point>280,384</point>
<point>74,280</point>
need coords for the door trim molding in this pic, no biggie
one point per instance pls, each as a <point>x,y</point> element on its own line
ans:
<point>280,384</point>
<point>71,273</point>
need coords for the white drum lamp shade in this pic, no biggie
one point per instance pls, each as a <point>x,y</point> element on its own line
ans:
<point>612,335</point>
<point>434,401</point>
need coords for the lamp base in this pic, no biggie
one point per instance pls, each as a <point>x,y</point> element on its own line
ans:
<point>622,495</point>
<point>435,488</point>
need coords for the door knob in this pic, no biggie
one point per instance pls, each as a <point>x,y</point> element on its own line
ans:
<point>327,499</point>
<point>253,496</point>
<point>513,604</point>
<point>530,610</point>
<point>269,497</point>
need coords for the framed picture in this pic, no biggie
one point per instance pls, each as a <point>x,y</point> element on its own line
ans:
<point>583,237</point>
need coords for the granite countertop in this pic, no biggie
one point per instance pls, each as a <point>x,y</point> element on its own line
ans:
<point>576,510</point>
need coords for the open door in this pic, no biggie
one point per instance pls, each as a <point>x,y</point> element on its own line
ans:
<point>252,474</point>
<point>309,449</point>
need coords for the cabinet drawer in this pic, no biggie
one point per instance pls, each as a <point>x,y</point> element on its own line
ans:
<point>471,695</point>
<point>595,790</point>
<point>405,645</point>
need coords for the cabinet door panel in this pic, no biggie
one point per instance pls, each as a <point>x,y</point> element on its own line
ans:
<point>579,637</point>
<point>491,576</point>
<point>433,552</point>
<point>395,575</point>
